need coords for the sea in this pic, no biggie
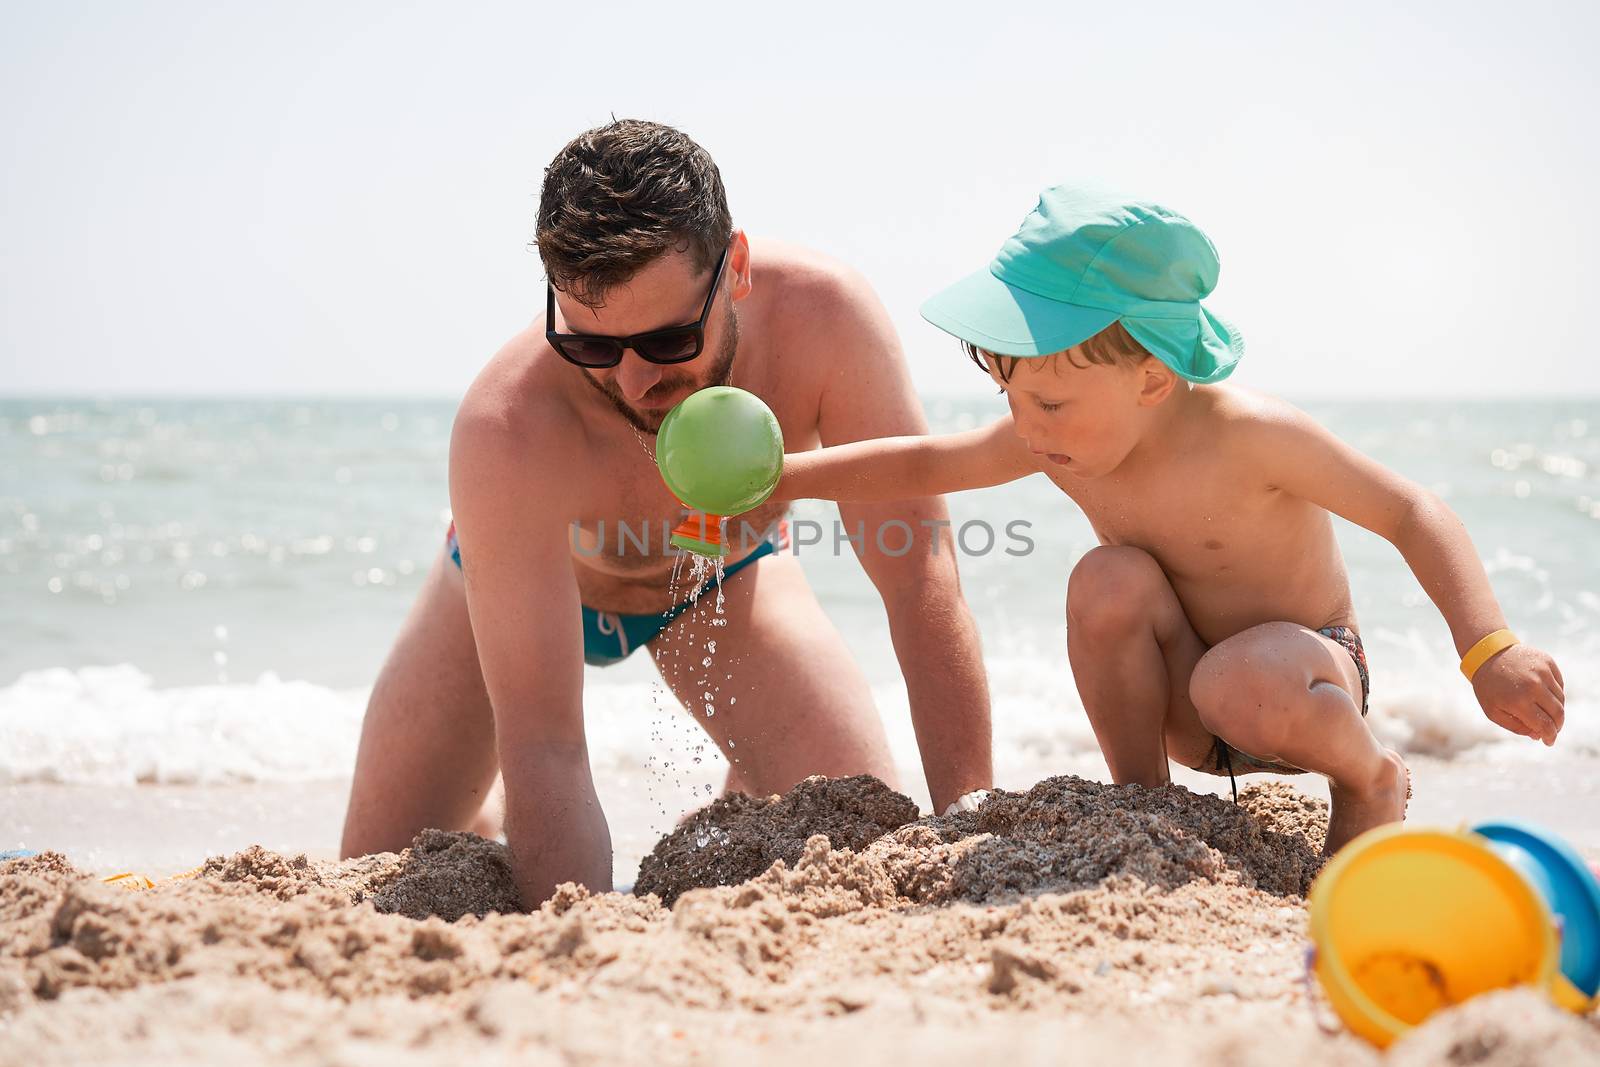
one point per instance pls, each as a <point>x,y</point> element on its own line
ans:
<point>196,595</point>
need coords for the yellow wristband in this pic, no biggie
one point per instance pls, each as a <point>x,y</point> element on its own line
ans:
<point>1485,650</point>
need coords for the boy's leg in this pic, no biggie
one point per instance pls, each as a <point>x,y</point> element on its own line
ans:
<point>1286,693</point>
<point>1132,652</point>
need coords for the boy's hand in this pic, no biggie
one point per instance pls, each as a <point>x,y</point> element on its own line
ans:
<point>1521,690</point>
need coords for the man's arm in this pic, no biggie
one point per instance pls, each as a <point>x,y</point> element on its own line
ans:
<point>867,395</point>
<point>523,603</point>
<point>900,468</point>
<point>1520,689</point>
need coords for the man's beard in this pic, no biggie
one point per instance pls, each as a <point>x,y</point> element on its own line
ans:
<point>720,373</point>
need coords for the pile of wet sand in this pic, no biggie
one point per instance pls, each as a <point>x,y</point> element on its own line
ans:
<point>1063,834</point>
<point>1119,918</point>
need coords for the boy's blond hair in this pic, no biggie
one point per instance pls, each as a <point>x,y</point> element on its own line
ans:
<point>1112,346</point>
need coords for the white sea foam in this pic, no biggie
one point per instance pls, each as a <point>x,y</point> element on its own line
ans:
<point>111,725</point>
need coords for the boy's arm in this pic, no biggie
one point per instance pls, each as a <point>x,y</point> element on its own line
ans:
<point>1520,689</point>
<point>898,468</point>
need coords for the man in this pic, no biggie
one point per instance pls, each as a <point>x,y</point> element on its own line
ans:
<point>654,295</point>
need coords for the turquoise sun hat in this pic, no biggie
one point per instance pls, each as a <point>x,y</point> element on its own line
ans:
<point>1083,259</point>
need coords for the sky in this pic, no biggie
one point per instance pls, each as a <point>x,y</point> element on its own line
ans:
<point>338,199</point>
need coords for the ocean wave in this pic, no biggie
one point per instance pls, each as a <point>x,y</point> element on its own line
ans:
<point>112,725</point>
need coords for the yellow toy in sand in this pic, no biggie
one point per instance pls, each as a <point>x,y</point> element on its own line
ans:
<point>1406,922</point>
<point>134,880</point>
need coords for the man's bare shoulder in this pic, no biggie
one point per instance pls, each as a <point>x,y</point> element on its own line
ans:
<point>825,309</point>
<point>804,285</point>
<point>523,388</point>
<point>516,406</point>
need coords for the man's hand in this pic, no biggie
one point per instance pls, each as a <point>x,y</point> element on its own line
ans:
<point>1521,691</point>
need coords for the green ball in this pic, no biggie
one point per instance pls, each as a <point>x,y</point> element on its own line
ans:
<point>720,451</point>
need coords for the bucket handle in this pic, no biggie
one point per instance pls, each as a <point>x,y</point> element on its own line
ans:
<point>1312,999</point>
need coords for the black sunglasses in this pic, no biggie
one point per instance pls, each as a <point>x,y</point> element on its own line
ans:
<point>674,344</point>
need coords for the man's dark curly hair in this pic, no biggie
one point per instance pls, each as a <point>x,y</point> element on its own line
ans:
<point>620,195</point>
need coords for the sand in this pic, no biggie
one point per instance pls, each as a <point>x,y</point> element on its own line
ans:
<point>1078,918</point>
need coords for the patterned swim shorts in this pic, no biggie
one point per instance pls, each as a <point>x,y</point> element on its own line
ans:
<point>1225,759</point>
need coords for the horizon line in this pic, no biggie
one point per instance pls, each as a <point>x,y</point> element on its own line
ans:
<point>440,397</point>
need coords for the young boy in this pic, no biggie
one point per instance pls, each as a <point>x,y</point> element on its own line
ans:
<point>1214,625</point>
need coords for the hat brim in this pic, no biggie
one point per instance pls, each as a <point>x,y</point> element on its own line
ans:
<point>1203,349</point>
<point>1007,321</point>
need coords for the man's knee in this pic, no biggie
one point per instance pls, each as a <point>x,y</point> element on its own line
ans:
<point>1115,590</point>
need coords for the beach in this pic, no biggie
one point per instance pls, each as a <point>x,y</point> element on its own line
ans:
<point>1146,924</point>
<point>1241,306</point>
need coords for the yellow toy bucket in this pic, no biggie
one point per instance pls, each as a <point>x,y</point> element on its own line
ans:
<point>1407,922</point>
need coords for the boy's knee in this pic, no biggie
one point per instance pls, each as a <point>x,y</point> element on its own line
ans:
<point>1239,701</point>
<point>1114,589</point>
